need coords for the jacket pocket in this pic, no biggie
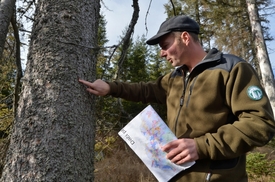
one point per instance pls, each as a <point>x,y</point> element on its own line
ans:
<point>228,170</point>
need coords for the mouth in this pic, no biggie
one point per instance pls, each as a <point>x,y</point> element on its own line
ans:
<point>170,61</point>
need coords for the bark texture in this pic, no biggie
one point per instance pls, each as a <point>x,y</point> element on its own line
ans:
<point>53,134</point>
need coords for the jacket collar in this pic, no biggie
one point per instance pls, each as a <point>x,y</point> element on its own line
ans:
<point>213,55</point>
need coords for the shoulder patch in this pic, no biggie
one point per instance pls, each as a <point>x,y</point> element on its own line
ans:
<point>254,93</point>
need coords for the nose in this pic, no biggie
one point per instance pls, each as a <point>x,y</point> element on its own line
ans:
<point>163,53</point>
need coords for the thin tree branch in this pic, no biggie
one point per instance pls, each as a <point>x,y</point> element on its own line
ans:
<point>19,71</point>
<point>126,40</point>
<point>147,12</point>
<point>174,9</point>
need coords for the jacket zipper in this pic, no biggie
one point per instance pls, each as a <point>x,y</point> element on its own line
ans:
<point>181,99</point>
<point>190,91</point>
<point>208,176</point>
<point>181,104</point>
<point>185,81</point>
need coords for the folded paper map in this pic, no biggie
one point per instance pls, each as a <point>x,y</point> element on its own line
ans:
<point>145,134</point>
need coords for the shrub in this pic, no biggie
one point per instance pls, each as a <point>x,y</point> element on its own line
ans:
<point>259,167</point>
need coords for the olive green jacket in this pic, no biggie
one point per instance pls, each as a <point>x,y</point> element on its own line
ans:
<point>221,104</point>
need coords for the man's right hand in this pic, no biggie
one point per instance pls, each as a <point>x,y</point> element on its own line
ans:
<point>98,87</point>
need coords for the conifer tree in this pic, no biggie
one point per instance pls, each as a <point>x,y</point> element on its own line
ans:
<point>53,133</point>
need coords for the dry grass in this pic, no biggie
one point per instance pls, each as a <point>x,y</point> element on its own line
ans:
<point>122,164</point>
<point>262,179</point>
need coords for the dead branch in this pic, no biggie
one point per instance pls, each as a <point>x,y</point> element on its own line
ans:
<point>125,42</point>
<point>19,71</point>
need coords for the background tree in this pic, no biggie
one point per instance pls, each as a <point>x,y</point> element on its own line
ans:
<point>6,12</point>
<point>134,69</point>
<point>107,113</point>
<point>262,56</point>
<point>103,63</point>
<point>8,74</point>
<point>53,134</point>
<point>7,78</point>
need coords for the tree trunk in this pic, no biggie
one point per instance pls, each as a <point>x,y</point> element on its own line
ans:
<point>53,134</point>
<point>261,51</point>
<point>6,12</point>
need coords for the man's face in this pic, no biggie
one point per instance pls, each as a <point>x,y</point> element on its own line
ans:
<point>172,48</point>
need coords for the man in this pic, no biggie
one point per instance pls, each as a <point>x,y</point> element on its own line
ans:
<point>216,105</point>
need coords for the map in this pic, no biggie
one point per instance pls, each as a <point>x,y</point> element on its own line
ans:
<point>145,134</point>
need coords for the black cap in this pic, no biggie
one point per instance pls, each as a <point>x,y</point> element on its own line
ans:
<point>176,23</point>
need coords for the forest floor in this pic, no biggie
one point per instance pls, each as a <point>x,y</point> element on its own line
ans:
<point>117,162</point>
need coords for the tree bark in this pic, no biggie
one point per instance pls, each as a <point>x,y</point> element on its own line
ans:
<point>261,51</point>
<point>6,12</point>
<point>53,134</point>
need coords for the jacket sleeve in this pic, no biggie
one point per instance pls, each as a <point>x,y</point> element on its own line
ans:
<point>254,126</point>
<point>139,92</point>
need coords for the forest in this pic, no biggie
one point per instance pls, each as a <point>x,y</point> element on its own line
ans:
<point>52,129</point>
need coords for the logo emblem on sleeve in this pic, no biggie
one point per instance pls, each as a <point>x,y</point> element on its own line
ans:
<point>254,93</point>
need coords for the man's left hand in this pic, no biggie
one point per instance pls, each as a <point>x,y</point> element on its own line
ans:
<point>181,150</point>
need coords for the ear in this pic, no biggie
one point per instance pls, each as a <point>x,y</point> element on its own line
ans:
<point>186,38</point>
